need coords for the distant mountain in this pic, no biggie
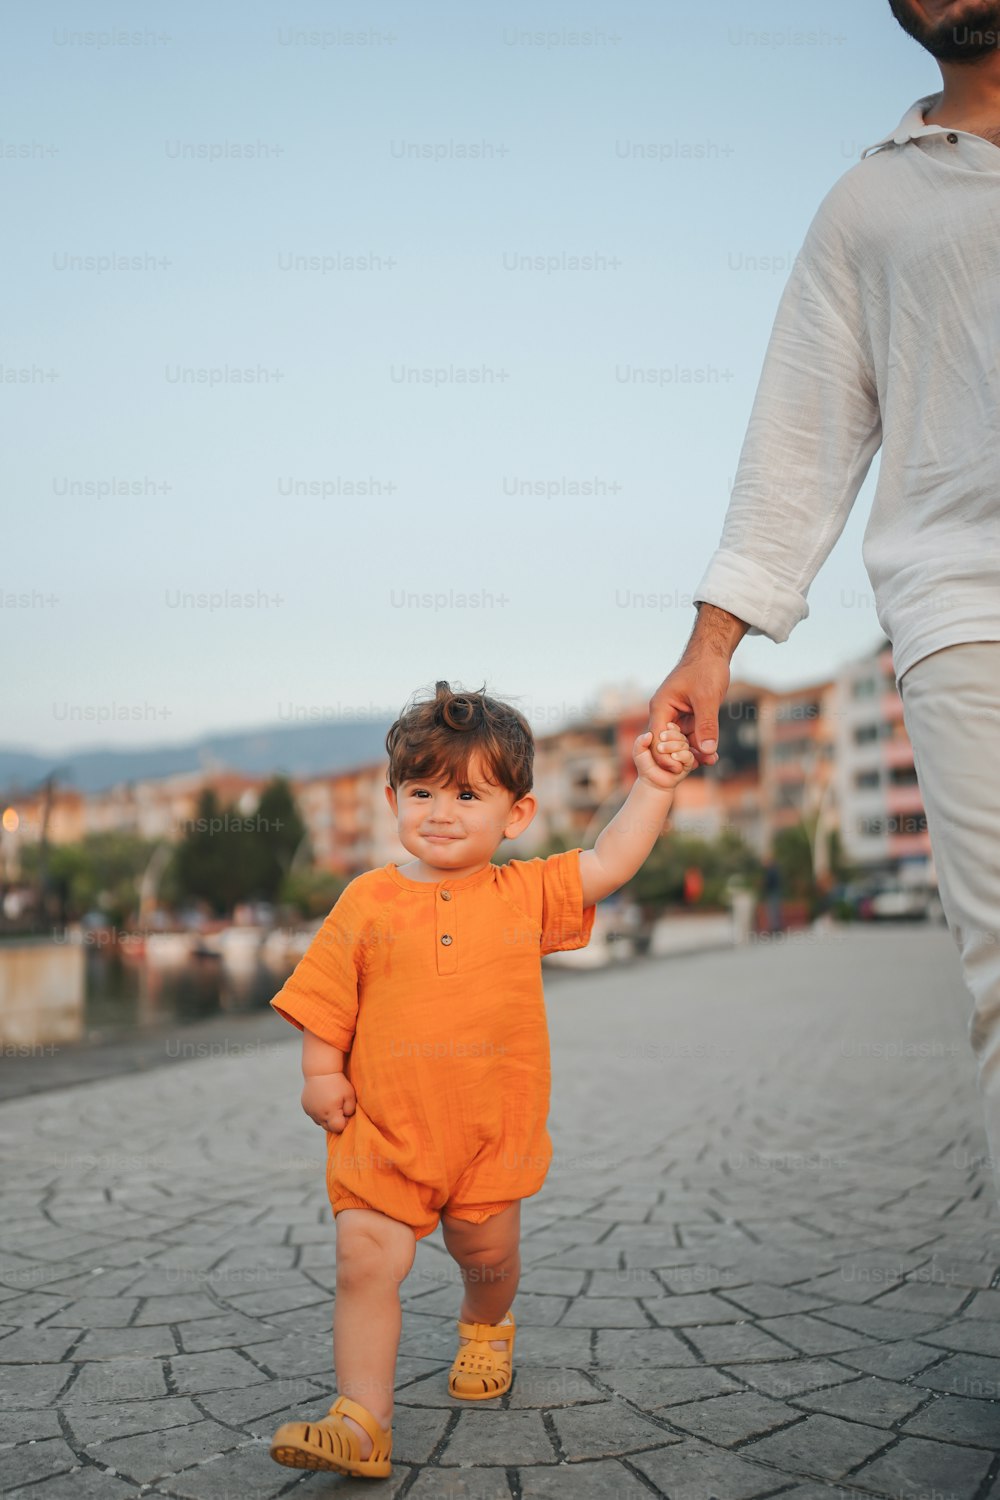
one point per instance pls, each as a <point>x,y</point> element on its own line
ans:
<point>292,749</point>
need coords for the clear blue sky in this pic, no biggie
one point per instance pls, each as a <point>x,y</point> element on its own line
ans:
<point>754,113</point>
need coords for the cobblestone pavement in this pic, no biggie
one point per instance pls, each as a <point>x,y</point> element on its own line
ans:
<point>765,1261</point>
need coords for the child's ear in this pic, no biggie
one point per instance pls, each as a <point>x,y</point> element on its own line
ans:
<point>390,797</point>
<point>520,816</point>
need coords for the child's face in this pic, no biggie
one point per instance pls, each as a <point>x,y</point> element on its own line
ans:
<point>450,827</point>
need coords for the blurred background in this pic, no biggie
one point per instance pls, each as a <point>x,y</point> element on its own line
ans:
<point>351,348</point>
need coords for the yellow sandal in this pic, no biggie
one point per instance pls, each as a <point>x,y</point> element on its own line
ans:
<point>329,1443</point>
<point>480,1372</point>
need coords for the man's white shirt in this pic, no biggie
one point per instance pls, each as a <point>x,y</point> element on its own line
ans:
<point>887,334</point>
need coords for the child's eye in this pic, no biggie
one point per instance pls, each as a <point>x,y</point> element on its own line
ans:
<point>468,794</point>
<point>420,791</point>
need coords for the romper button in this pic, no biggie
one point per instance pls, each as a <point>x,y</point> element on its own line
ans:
<point>952,137</point>
<point>446,895</point>
<point>446,937</point>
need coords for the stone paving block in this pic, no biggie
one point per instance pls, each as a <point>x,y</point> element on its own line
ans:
<point>811,1334</point>
<point>29,1426</point>
<point>877,1322</point>
<point>695,1471</point>
<point>264,1302</point>
<point>606,1431</point>
<point>417,1432</point>
<point>819,1447</point>
<point>604,1312</point>
<point>31,1386</point>
<point>37,1307</point>
<point>251,1471</point>
<point>164,1452</point>
<point>969,1335</point>
<point>925,1297</point>
<point>984,1305</point>
<point>469,1484</point>
<point>96,1312</point>
<point>658,1346</point>
<point>37,1460</point>
<point>694,1311</point>
<point>959,1420</point>
<point>37,1346</point>
<point>896,1361</point>
<point>963,1375</point>
<point>879,1403</point>
<point>607,1480</point>
<point>772,1301</point>
<point>654,1389</point>
<point>238,1408</point>
<point>87,1483</point>
<point>732,1343</point>
<point>732,1419</point>
<point>116,1380</point>
<point>536,1387</point>
<point>229,1331</point>
<point>918,1467</point>
<point>555,1346</point>
<point>622,1282</point>
<point>182,1307</point>
<point>215,1370</point>
<point>112,1419</point>
<point>124,1343</point>
<point>495,1437</point>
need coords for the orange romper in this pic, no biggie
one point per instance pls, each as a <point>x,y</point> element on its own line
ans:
<point>434,990</point>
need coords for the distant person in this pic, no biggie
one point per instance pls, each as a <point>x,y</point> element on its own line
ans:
<point>888,333</point>
<point>425,1047</point>
<point>772,895</point>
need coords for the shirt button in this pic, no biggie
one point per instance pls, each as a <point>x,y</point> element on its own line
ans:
<point>446,895</point>
<point>952,137</point>
<point>446,938</point>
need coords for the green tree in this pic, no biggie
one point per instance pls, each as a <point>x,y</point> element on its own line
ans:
<point>205,866</point>
<point>312,892</point>
<point>275,834</point>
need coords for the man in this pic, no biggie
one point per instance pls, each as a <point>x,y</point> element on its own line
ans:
<point>888,333</point>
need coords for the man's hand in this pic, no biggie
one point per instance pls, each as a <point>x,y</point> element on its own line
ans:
<point>693,693</point>
<point>329,1099</point>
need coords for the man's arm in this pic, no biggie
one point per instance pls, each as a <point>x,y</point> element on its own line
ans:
<point>814,429</point>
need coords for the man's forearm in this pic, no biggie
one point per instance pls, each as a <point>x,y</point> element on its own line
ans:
<point>625,844</point>
<point>319,1056</point>
<point>715,630</point>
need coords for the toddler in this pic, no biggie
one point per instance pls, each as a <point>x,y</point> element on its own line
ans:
<point>425,1048</point>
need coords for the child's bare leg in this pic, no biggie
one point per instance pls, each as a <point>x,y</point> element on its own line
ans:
<point>489,1257</point>
<point>374,1256</point>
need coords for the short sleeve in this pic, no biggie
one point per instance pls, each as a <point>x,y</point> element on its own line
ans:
<point>549,891</point>
<point>321,993</point>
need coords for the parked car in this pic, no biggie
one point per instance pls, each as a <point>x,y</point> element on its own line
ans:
<point>883,899</point>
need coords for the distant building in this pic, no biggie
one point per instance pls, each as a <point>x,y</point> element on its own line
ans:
<point>833,752</point>
<point>883,826</point>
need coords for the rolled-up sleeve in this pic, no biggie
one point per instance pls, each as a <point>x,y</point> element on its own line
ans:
<point>321,993</point>
<point>814,429</point>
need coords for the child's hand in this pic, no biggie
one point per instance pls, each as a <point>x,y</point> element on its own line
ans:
<point>329,1099</point>
<point>673,745</point>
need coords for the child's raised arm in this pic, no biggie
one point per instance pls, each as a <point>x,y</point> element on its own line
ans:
<point>624,845</point>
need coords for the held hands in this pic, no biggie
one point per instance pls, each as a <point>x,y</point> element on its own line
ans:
<point>329,1099</point>
<point>674,758</point>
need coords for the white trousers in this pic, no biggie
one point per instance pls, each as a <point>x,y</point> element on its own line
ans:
<point>951,708</point>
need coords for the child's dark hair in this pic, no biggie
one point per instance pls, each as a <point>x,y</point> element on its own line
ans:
<point>434,739</point>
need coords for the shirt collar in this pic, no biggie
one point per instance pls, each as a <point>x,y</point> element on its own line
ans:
<point>911,126</point>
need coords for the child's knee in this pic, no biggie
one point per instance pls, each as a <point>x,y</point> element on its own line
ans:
<point>371,1246</point>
